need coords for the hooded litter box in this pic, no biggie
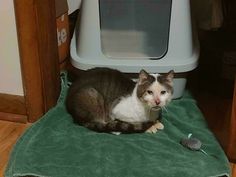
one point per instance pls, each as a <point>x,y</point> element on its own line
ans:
<point>130,35</point>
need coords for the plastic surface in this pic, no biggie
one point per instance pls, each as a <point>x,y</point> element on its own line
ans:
<point>182,54</point>
<point>134,29</point>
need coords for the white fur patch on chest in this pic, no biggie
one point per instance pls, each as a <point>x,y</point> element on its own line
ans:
<point>129,109</point>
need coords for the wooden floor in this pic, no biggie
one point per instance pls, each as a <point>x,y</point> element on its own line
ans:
<point>10,132</point>
<point>233,166</point>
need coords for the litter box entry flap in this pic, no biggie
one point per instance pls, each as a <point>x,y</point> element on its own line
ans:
<point>134,28</point>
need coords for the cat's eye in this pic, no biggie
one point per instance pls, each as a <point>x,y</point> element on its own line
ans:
<point>149,92</point>
<point>163,92</point>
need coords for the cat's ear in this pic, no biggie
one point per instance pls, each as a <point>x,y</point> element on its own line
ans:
<point>170,75</point>
<point>143,75</point>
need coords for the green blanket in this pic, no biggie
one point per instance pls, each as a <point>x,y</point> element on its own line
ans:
<point>56,147</point>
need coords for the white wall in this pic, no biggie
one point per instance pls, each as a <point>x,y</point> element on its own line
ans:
<point>73,5</point>
<point>10,72</point>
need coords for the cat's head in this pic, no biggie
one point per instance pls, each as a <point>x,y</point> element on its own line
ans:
<point>155,90</point>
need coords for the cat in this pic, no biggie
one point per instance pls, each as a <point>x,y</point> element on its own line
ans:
<point>106,100</point>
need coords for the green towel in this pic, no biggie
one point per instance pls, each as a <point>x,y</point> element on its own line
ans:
<point>56,147</point>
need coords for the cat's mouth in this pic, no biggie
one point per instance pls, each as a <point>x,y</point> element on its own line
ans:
<point>155,108</point>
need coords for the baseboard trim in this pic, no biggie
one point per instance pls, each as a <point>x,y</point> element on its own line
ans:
<point>12,108</point>
<point>13,117</point>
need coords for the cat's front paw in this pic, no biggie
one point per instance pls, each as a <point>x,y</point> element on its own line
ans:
<point>157,126</point>
<point>152,129</point>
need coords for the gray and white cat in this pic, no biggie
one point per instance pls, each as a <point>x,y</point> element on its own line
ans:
<point>105,100</point>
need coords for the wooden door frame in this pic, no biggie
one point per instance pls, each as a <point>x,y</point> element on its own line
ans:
<point>231,144</point>
<point>37,40</point>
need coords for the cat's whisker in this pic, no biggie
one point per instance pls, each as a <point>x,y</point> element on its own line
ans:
<point>164,109</point>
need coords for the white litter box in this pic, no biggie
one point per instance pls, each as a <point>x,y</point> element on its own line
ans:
<point>130,35</point>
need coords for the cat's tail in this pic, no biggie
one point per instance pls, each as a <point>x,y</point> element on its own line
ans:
<point>119,126</point>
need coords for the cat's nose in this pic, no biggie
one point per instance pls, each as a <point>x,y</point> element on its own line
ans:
<point>157,102</point>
